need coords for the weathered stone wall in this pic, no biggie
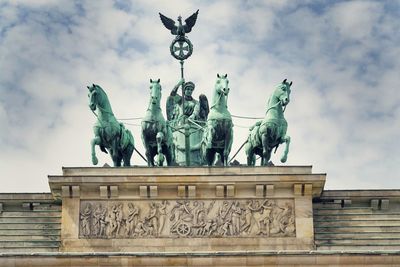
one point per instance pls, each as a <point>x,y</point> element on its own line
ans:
<point>187,209</point>
<point>29,223</point>
<point>200,217</point>
<point>203,259</point>
<point>357,220</point>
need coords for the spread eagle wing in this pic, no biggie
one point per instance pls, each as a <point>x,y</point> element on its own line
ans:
<point>169,24</point>
<point>170,106</point>
<point>204,107</point>
<point>190,21</point>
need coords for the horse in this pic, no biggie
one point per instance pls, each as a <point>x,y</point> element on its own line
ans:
<point>269,133</point>
<point>218,135</point>
<point>110,135</point>
<point>156,134</point>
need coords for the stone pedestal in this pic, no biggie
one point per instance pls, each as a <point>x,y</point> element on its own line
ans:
<point>187,209</point>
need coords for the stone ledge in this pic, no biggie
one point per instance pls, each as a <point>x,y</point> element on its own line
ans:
<point>205,253</point>
<point>202,170</point>
<point>360,194</point>
<point>47,196</point>
<point>265,258</point>
<point>239,181</point>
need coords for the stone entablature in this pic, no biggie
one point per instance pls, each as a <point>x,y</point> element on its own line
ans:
<point>187,209</point>
<point>191,182</point>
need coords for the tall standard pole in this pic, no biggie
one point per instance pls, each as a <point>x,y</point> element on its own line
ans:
<point>181,48</point>
<point>182,77</point>
<point>186,126</point>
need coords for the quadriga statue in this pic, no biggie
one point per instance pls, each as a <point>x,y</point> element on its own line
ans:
<point>156,133</point>
<point>109,134</point>
<point>218,135</point>
<point>269,133</point>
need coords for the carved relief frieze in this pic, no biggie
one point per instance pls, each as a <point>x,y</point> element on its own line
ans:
<point>187,218</point>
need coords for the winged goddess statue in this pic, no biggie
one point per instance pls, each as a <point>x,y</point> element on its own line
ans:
<point>179,30</point>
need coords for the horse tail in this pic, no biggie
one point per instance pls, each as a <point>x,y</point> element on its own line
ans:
<point>126,137</point>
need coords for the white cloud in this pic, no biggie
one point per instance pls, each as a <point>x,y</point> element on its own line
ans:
<point>344,114</point>
<point>356,20</point>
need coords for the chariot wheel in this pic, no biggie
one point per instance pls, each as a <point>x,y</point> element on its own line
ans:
<point>183,229</point>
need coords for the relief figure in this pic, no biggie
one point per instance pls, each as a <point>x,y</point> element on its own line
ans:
<point>152,220</point>
<point>264,218</point>
<point>187,218</point>
<point>85,217</point>
<point>97,217</point>
<point>252,206</point>
<point>163,215</point>
<point>132,219</point>
<point>115,219</point>
<point>236,214</point>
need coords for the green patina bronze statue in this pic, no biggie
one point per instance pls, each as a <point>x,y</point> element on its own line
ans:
<point>110,134</point>
<point>218,135</point>
<point>194,133</point>
<point>179,30</point>
<point>269,133</point>
<point>156,133</point>
<point>187,117</point>
<point>181,108</point>
<point>181,48</point>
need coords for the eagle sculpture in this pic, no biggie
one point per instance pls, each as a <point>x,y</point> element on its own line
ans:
<point>179,30</point>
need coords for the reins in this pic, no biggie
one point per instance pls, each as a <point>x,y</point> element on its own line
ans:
<point>275,105</point>
<point>219,98</point>
<point>102,109</point>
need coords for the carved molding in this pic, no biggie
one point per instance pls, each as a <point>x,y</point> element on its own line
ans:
<point>187,218</point>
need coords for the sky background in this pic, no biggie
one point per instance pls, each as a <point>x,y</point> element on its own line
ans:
<point>342,56</point>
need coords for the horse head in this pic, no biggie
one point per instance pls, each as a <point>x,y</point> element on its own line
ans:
<point>282,92</point>
<point>93,95</point>
<point>155,93</point>
<point>222,84</point>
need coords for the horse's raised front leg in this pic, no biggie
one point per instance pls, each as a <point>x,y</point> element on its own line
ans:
<point>285,140</point>
<point>95,141</point>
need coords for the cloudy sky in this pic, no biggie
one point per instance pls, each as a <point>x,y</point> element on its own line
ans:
<point>343,58</point>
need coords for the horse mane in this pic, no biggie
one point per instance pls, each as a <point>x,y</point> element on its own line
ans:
<point>104,97</point>
<point>101,89</point>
